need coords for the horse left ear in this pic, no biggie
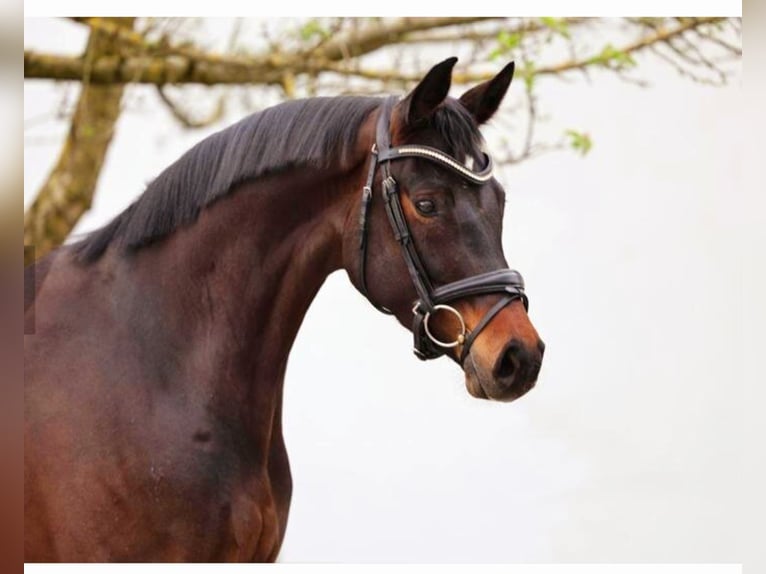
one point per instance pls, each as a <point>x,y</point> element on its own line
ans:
<point>431,91</point>
<point>483,100</point>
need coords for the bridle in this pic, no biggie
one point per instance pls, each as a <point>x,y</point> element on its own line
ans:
<point>430,299</point>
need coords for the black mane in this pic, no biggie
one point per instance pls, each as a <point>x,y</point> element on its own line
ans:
<point>315,132</point>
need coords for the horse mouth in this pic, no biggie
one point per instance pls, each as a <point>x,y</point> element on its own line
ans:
<point>472,379</point>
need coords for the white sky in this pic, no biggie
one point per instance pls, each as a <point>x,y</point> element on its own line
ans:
<point>629,448</point>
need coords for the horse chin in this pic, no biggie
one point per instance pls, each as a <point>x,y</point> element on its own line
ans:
<point>481,390</point>
<point>473,381</point>
<point>474,387</point>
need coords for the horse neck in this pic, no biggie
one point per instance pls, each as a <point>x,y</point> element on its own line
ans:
<point>225,297</point>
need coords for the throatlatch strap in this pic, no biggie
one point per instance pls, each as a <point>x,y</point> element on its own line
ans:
<point>366,198</point>
<point>363,218</point>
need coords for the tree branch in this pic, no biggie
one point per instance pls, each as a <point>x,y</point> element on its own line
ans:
<point>524,27</point>
<point>185,118</point>
<point>169,64</point>
<point>270,69</point>
<point>358,43</point>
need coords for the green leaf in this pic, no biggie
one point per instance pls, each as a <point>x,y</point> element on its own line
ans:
<point>558,25</point>
<point>506,41</point>
<point>579,141</point>
<point>509,40</point>
<point>312,29</point>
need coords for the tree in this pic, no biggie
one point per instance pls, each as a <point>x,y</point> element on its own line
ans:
<point>331,55</point>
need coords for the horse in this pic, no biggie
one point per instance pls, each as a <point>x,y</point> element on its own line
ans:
<point>154,375</point>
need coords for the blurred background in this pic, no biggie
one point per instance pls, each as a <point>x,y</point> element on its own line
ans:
<point>621,146</point>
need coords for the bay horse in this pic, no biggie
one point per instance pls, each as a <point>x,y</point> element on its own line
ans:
<point>153,378</point>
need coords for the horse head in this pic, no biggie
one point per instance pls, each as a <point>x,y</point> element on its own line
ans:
<point>429,235</point>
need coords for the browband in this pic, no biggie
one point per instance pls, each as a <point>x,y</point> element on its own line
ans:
<point>441,158</point>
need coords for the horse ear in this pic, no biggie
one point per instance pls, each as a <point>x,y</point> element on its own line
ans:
<point>429,93</point>
<point>483,100</point>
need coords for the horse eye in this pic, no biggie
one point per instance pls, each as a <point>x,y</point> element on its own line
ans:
<point>426,206</point>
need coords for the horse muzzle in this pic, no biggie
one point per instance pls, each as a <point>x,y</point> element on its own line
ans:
<point>505,362</point>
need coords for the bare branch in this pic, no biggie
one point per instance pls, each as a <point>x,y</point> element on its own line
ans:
<point>733,50</point>
<point>120,35</point>
<point>371,38</point>
<point>525,27</point>
<point>185,119</point>
<point>678,67</point>
<point>690,48</point>
<point>661,35</point>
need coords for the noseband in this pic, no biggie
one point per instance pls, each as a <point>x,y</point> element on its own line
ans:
<point>430,300</point>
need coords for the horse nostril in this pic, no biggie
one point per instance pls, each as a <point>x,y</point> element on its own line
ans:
<point>509,361</point>
<point>517,367</point>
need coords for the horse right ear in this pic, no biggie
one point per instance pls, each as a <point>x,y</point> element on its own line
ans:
<point>421,102</point>
<point>483,100</point>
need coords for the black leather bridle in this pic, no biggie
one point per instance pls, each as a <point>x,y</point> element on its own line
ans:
<point>430,299</point>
